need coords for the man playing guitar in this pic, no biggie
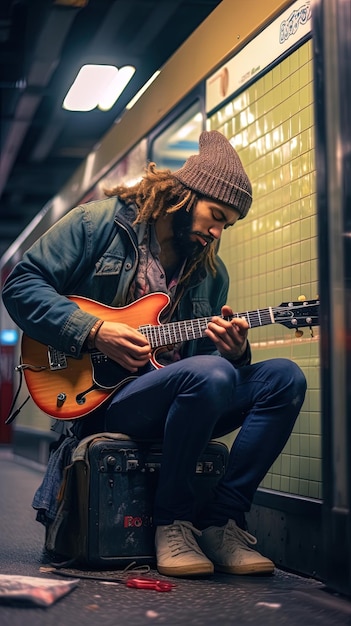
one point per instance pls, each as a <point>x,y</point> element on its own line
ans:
<point>161,237</point>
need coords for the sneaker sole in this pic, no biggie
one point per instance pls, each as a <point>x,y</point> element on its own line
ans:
<point>254,568</point>
<point>187,570</point>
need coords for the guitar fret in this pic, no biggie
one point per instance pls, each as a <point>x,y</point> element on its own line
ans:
<point>164,340</point>
<point>260,317</point>
<point>196,327</point>
<point>166,337</point>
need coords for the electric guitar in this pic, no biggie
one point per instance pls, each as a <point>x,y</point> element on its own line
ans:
<point>70,388</point>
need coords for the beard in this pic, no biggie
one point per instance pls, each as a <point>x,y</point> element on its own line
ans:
<point>182,233</point>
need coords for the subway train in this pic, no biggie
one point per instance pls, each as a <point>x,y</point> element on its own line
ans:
<point>275,80</point>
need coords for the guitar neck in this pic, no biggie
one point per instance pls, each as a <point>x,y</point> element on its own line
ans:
<point>174,332</point>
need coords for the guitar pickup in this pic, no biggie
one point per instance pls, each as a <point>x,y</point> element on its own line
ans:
<point>57,359</point>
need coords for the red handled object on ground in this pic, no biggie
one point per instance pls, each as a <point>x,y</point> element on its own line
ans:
<point>149,583</point>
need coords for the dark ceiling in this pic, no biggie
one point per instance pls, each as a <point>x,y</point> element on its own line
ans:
<point>43,43</point>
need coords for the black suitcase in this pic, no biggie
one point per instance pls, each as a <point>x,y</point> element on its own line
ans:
<point>114,481</point>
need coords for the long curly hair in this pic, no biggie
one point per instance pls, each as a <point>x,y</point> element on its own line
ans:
<point>159,193</point>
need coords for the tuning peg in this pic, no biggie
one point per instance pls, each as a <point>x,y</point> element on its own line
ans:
<point>298,333</point>
<point>301,298</point>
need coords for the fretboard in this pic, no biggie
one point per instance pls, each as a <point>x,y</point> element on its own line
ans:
<point>173,332</point>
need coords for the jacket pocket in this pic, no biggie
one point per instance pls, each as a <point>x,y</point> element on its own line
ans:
<point>108,264</point>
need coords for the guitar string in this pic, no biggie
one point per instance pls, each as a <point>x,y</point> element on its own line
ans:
<point>193,329</point>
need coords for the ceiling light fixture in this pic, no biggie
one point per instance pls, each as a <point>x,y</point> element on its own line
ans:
<point>97,86</point>
<point>115,88</point>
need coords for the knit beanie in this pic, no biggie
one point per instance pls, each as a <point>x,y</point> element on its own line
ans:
<point>217,173</point>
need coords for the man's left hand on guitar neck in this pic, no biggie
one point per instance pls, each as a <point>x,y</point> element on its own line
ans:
<point>229,335</point>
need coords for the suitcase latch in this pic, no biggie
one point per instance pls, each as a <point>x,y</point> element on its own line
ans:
<point>204,467</point>
<point>132,464</point>
<point>129,461</point>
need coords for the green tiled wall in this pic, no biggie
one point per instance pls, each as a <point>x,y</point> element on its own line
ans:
<point>272,254</point>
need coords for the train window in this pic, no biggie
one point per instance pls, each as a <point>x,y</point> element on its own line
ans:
<point>179,140</point>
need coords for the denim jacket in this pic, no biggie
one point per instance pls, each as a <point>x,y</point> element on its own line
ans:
<point>93,252</point>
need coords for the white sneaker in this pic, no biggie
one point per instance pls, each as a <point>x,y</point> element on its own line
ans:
<point>177,551</point>
<point>228,547</point>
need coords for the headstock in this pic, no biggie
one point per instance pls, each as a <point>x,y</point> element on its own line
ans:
<point>298,314</point>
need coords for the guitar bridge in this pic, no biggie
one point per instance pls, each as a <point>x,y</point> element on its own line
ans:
<point>57,359</point>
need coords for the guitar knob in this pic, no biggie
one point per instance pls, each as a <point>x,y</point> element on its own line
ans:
<point>61,397</point>
<point>298,333</point>
<point>301,298</point>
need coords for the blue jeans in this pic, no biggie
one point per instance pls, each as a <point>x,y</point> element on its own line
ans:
<point>203,397</point>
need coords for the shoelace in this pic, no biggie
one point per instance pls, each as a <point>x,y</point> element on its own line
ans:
<point>181,537</point>
<point>233,533</point>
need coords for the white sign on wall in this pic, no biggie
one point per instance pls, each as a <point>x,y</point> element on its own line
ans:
<point>269,45</point>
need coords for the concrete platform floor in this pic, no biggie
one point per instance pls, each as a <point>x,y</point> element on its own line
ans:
<point>283,598</point>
